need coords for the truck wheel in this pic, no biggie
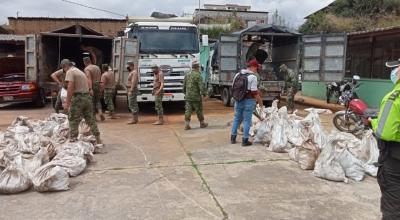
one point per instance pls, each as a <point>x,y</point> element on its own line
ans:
<point>226,97</point>
<point>41,99</point>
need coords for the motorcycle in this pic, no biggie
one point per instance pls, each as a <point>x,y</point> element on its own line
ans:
<point>336,89</point>
<point>355,117</point>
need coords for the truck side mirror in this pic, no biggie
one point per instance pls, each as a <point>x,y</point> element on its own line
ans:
<point>204,40</point>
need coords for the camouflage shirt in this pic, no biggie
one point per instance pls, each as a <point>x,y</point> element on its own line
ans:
<point>290,79</point>
<point>193,86</point>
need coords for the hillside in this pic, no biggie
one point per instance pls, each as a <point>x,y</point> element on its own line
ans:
<point>354,15</point>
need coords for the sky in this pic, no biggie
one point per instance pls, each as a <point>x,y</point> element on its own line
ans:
<point>292,10</point>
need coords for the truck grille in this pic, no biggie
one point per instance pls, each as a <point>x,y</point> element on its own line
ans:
<point>9,89</point>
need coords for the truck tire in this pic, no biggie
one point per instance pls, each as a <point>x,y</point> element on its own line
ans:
<point>40,100</point>
<point>226,97</point>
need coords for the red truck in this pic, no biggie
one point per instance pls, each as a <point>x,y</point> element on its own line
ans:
<point>13,86</point>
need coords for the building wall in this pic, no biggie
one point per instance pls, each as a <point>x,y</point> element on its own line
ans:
<point>371,91</point>
<point>108,27</point>
<point>249,17</point>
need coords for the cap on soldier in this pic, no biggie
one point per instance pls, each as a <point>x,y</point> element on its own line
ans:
<point>65,62</point>
<point>154,66</point>
<point>195,63</point>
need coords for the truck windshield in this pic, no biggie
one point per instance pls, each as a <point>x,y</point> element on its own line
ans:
<point>182,40</point>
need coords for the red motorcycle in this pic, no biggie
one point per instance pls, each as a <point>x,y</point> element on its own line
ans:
<point>355,118</point>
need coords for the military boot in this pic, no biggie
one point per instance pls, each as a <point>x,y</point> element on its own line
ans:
<point>113,116</point>
<point>102,118</point>
<point>187,125</point>
<point>203,124</point>
<point>160,121</point>
<point>135,119</point>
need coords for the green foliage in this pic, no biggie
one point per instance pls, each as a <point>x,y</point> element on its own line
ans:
<point>315,24</point>
<point>214,32</point>
<point>353,15</point>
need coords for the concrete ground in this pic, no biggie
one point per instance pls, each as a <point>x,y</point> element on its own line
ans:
<point>165,172</point>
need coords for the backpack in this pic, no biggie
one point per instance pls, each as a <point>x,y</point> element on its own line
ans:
<point>239,87</point>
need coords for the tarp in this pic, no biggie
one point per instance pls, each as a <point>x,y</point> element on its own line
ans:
<point>268,28</point>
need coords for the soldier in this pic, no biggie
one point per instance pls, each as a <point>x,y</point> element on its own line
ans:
<point>158,92</point>
<point>193,88</point>
<point>133,92</point>
<point>93,74</point>
<point>59,77</point>
<point>108,86</point>
<point>290,85</point>
<point>79,102</point>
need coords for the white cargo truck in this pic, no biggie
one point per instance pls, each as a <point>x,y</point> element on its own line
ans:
<point>170,45</point>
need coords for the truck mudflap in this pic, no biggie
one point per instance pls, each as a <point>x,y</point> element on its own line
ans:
<point>168,97</point>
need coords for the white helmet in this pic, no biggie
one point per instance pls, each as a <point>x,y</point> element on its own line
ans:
<point>356,77</point>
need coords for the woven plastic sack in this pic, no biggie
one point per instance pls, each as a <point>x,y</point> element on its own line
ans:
<point>50,178</point>
<point>14,179</point>
<point>73,165</point>
<point>326,167</point>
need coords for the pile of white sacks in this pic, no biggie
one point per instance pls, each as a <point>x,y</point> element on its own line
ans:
<point>338,156</point>
<point>37,153</point>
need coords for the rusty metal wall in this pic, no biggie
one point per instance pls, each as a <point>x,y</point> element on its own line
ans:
<point>21,26</point>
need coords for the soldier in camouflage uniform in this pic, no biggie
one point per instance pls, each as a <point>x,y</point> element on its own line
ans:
<point>193,88</point>
<point>133,92</point>
<point>79,102</point>
<point>108,88</point>
<point>290,85</point>
<point>158,92</point>
<point>93,73</point>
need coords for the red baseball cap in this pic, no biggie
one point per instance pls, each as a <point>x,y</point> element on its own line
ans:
<point>253,63</point>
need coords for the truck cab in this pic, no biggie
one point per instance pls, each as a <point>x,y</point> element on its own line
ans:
<point>172,46</point>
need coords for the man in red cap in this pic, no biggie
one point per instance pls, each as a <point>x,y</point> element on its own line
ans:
<point>245,93</point>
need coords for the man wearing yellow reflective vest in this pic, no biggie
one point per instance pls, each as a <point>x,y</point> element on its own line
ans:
<point>387,131</point>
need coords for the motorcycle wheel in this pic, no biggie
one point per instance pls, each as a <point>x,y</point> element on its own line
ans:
<point>345,123</point>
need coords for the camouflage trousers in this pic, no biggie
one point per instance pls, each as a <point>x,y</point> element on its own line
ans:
<point>291,92</point>
<point>81,107</point>
<point>158,104</point>
<point>133,104</point>
<point>96,97</point>
<point>109,99</point>
<point>197,106</point>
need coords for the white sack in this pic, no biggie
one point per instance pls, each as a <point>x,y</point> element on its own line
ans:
<point>50,178</point>
<point>279,142</point>
<point>73,165</point>
<point>319,111</point>
<point>14,179</point>
<point>326,167</point>
<point>351,165</point>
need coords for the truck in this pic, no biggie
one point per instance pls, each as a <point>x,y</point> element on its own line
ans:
<point>14,88</point>
<point>312,57</point>
<point>25,74</point>
<point>171,45</point>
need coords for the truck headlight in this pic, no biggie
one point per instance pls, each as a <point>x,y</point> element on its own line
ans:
<point>28,87</point>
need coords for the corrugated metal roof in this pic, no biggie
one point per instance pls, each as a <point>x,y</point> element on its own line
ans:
<point>11,37</point>
<point>65,18</point>
<point>375,30</point>
<point>267,28</point>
